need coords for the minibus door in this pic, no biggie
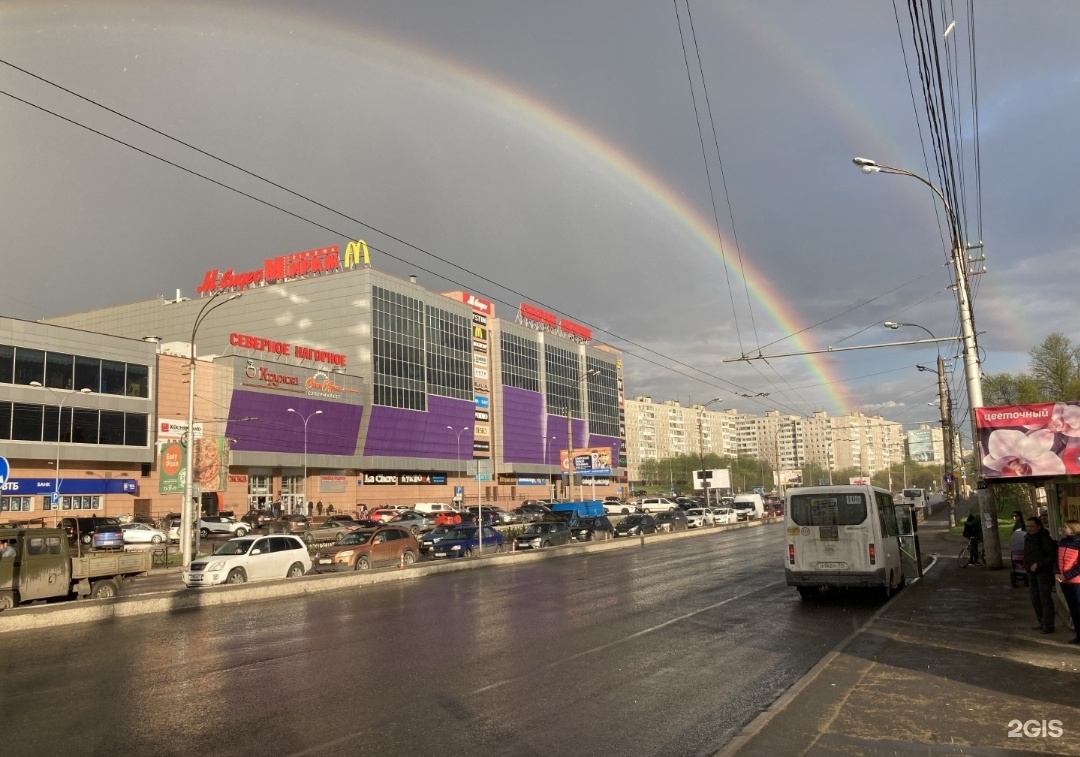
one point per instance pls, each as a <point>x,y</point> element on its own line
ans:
<point>910,557</point>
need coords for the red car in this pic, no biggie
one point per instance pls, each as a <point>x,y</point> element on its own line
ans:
<point>383,514</point>
<point>447,518</point>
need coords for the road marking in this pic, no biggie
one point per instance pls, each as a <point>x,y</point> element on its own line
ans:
<point>562,661</point>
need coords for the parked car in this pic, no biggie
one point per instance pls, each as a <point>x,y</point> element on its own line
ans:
<point>257,518</point>
<point>140,533</point>
<point>699,517</point>
<point>657,505</point>
<point>539,535</point>
<point>290,524</point>
<point>136,519</point>
<point>724,516</point>
<point>592,528</point>
<point>220,524</point>
<point>82,529</point>
<point>108,536</point>
<point>688,503</point>
<point>464,541</point>
<point>369,548</point>
<point>383,514</point>
<point>433,537</point>
<point>498,515</point>
<point>250,558</point>
<point>675,520</point>
<point>532,510</point>
<point>413,521</point>
<point>432,507</point>
<point>636,525</point>
<point>447,518</point>
<point>616,506</point>
<point>332,529</point>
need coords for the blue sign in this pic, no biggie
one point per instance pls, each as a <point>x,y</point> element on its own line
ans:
<point>482,402</point>
<point>71,486</point>
<point>5,469</point>
<point>55,498</point>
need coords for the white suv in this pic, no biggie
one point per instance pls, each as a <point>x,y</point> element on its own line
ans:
<point>657,505</point>
<point>433,507</point>
<point>219,524</point>
<point>250,558</point>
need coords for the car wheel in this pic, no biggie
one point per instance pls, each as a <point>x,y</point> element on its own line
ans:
<point>241,531</point>
<point>408,558</point>
<point>338,538</point>
<point>626,511</point>
<point>588,536</point>
<point>307,537</point>
<point>295,570</point>
<point>7,601</point>
<point>362,563</point>
<point>236,576</point>
<point>498,549</point>
<point>415,530</point>
<point>467,552</point>
<point>204,532</point>
<point>86,538</point>
<point>105,589</point>
<point>155,539</point>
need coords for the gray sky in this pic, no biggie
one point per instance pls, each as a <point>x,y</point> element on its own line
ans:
<point>551,147</point>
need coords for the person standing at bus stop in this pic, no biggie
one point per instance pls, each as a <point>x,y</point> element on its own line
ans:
<point>1040,556</point>
<point>1068,572</point>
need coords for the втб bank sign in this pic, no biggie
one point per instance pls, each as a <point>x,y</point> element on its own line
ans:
<point>1025,441</point>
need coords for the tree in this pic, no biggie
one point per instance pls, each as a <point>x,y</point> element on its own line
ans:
<point>1009,389</point>
<point>1055,367</point>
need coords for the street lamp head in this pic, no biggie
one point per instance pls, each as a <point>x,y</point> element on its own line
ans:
<point>317,412</point>
<point>923,368</point>
<point>235,296</point>
<point>86,390</point>
<point>866,165</point>
<point>891,325</point>
<point>36,384</point>
<point>290,410</point>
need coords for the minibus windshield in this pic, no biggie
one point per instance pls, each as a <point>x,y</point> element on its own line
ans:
<point>828,509</point>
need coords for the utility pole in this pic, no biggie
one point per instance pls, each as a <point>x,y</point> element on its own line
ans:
<point>946,430</point>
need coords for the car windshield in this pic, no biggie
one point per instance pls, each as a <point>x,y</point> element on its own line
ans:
<point>356,537</point>
<point>586,522</point>
<point>461,533</point>
<point>632,520</point>
<point>235,547</point>
<point>439,531</point>
<point>537,528</point>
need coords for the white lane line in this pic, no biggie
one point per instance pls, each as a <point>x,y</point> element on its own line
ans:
<point>562,661</point>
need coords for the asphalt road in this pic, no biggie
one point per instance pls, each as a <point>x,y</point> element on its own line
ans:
<point>666,650</point>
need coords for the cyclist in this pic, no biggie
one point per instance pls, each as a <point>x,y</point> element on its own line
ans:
<point>973,533</point>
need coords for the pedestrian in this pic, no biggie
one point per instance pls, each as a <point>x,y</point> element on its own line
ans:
<point>973,533</point>
<point>1040,557</point>
<point>1018,521</point>
<point>1068,571</point>
<point>330,510</point>
<point>318,508</point>
<point>310,508</point>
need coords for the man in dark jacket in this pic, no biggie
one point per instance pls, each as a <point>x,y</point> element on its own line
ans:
<point>1040,555</point>
<point>973,533</point>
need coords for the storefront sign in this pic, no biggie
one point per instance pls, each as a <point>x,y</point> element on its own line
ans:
<point>251,373</point>
<point>27,486</point>
<point>281,268</point>
<point>482,415</point>
<point>172,457</point>
<point>210,467</point>
<point>169,428</point>
<point>1029,440</point>
<point>479,346</point>
<point>385,479</point>
<point>482,402</point>
<point>480,359</point>
<point>479,332</point>
<point>590,460</point>
<point>482,431</point>
<point>479,304</point>
<point>479,320</point>
<point>238,478</point>
<point>332,484</point>
<point>482,386</point>
<point>480,373</point>
<point>481,446</point>
<point>423,479</point>
<point>545,321</point>
<point>285,349</point>
<point>356,253</point>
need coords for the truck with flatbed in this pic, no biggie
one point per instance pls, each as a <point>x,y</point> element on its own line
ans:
<point>38,564</point>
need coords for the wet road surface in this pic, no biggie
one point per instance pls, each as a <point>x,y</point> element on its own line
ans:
<point>666,650</point>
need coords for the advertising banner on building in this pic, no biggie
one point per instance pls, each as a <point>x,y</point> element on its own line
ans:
<point>920,444</point>
<point>792,477</point>
<point>211,464</point>
<point>592,461</point>
<point>1029,440</point>
<point>172,460</point>
<point>332,484</point>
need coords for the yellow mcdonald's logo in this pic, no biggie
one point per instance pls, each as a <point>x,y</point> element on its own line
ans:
<point>357,253</point>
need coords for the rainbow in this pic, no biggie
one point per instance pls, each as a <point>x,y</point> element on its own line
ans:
<point>529,114</point>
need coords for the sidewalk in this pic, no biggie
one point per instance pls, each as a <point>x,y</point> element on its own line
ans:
<point>945,668</point>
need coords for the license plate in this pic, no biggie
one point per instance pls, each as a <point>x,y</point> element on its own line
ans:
<point>195,578</point>
<point>325,561</point>
<point>439,554</point>
<point>832,566</point>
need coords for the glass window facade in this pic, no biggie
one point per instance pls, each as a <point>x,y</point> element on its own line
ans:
<point>520,362</point>
<point>603,388</point>
<point>398,350</point>
<point>58,370</point>
<point>449,354</point>
<point>36,423</point>
<point>563,373</point>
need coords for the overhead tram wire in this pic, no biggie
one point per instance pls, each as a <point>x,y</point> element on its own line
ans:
<point>708,174</point>
<point>728,385</point>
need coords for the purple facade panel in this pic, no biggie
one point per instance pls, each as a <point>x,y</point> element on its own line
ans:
<point>525,419</point>
<point>397,432</point>
<point>596,440</point>
<point>268,426</point>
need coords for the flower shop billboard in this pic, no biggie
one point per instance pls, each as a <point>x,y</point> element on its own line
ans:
<point>1029,440</point>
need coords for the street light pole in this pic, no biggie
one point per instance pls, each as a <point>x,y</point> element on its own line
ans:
<point>59,420</point>
<point>570,431</point>
<point>309,416</point>
<point>945,408</point>
<point>991,537</point>
<point>701,444</point>
<point>186,512</point>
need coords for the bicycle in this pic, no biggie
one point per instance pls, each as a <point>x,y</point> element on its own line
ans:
<point>965,558</point>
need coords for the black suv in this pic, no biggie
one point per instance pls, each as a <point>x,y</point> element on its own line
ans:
<point>83,529</point>
<point>590,528</point>
<point>672,521</point>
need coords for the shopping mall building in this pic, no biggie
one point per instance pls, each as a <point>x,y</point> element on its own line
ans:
<point>324,380</point>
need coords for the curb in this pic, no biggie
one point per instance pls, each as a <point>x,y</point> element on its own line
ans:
<point>758,724</point>
<point>87,611</point>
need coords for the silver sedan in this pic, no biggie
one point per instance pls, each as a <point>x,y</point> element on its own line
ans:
<point>140,533</point>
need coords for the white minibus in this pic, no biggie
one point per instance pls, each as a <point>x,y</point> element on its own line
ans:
<point>841,536</point>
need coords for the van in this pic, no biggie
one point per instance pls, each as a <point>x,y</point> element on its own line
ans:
<point>914,497</point>
<point>842,536</point>
<point>749,506</point>
<point>432,507</point>
<point>657,505</point>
